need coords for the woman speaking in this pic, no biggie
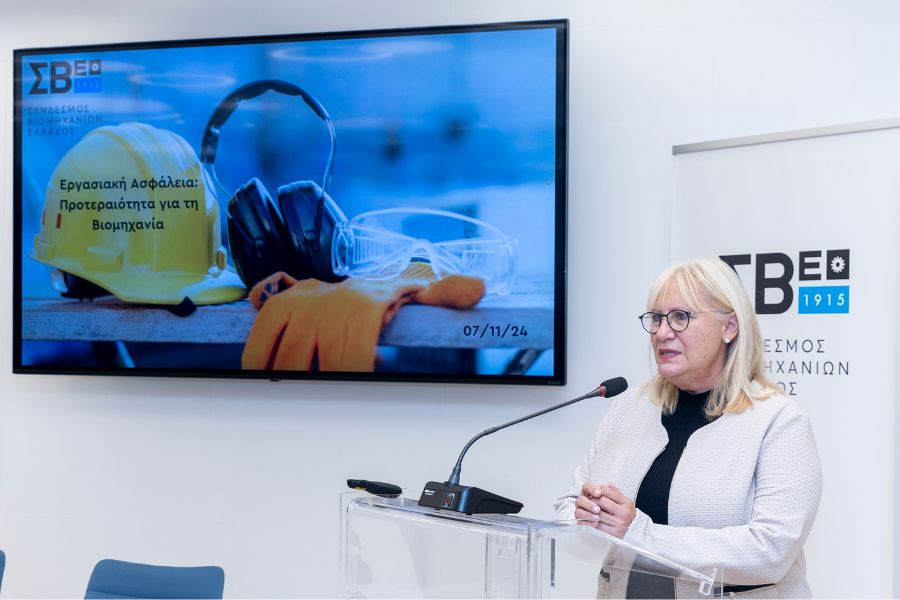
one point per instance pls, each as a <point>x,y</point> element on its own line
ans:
<point>709,455</point>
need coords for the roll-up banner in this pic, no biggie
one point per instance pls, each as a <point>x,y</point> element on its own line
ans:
<point>809,220</point>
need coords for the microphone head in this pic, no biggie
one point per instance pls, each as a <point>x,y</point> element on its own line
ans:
<point>613,387</point>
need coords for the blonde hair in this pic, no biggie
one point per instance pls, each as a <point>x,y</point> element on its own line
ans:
<point>710,284</point>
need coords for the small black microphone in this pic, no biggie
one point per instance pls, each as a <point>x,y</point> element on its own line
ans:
<point>471,500</point>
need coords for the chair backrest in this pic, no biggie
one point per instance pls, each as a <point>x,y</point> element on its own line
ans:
<point>2,565</point>
<point>120,579</point>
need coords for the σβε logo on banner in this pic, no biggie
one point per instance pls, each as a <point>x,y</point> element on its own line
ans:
<point>821,287</point>
<point>62,76</point>
<point>774,292</point>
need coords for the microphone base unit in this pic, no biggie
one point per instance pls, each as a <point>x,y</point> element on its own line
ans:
<point>466,499</point>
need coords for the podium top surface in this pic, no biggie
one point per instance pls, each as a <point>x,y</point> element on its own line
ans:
<point>410,508</point>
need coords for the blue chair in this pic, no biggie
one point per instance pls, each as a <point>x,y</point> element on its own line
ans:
<point>120,579</point>
<point>2,565</point>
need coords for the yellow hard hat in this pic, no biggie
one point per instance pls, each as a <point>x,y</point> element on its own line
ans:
<point>128,208</point>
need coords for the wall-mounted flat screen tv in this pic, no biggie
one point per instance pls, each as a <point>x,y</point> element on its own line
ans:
<point>364,205</point>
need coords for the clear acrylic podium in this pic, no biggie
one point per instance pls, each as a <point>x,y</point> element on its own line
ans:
<point>393,548</point>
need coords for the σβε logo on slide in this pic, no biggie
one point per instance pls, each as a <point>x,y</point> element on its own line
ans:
<point>774,292</point>
<point>62,76</point>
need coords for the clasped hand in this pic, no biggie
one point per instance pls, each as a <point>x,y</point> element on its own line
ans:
<point>608,508</point>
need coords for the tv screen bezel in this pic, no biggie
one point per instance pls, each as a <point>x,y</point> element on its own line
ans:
<point>561,26</point>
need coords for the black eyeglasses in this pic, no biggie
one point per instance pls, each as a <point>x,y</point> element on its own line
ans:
<point>677,319</point>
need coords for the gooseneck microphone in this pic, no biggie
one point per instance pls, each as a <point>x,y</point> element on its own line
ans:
<point>607,389</point>
<point>472,500</point>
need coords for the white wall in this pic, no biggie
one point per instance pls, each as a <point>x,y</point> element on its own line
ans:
<point>247,474</point>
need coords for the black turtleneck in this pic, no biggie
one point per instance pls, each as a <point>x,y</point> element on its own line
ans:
<point>653,495</point>
<point>688,417</point>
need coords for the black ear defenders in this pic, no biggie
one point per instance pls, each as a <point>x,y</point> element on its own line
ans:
<point>293,235</point>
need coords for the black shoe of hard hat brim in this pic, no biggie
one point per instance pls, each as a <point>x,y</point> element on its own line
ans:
<point>81,289</point>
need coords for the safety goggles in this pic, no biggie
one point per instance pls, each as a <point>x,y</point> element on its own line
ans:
<point>380,244</point>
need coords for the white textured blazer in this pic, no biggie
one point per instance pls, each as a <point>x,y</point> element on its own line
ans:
<point>744,495</point>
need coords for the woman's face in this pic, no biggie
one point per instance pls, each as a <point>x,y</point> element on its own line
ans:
<point>691,359</point>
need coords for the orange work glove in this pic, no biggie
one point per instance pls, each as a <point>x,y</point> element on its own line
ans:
<point>340,322</point>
